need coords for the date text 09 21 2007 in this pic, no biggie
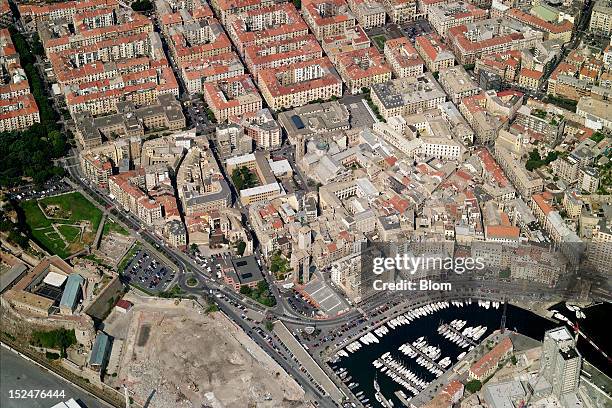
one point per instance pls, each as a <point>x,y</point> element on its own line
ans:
<point>36,394</point>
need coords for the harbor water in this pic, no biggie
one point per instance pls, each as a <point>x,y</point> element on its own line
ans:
<point>359,367</point>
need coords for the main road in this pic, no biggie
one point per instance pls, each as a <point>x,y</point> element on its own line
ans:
<point>19,374</point>
<point>207,284</point>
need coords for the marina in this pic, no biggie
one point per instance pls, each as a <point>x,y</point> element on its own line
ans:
<point>400,358</point>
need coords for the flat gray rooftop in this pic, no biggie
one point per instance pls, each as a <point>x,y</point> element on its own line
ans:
<point>327,299</point>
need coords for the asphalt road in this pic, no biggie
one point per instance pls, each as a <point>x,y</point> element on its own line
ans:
<point>17,373</point>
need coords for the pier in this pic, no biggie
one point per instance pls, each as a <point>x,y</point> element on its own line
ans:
<point>458,333</point>
<point>402,376</point>
<point>425,357</point>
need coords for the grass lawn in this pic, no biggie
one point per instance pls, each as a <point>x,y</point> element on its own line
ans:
<point>127,258</point>
<point>111,226</point>
<point>72,209</point>
<point>70,233</point>
<point>380,40</point>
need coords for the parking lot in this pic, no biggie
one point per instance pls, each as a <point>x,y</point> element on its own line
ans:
<point>146,271</point>
<point>300,304</point>
<point>416,28</point>
<point>213,262</point>
<point>360,116</point>
<point>197,113</point>
<point>54,186</point>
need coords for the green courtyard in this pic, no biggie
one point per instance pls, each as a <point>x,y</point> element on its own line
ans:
<point>380,40</point>
<point>63,224</point>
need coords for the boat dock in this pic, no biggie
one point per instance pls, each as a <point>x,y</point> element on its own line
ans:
<point>403,400</point>
<point>402,376</point>
<point>426,357</point>
<point>458,333</point>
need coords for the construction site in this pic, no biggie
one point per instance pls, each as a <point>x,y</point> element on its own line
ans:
<point>174,354</point>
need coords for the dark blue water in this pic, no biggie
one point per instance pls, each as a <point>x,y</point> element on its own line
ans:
<point>359,364</point>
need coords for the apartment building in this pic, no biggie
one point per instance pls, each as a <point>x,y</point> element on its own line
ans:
<point>261,127</point>
<point>362,68</point>
<point>18,113</point>
<point>435,54</point>
<point>196,73</point>
<point>443,16</point>
<point>567,240</point>
<point>534,264</point>
<point>488,364</point>
<point>553,30</point>
<point>36,13</point>
<point>601,18</point>
<point>489,112</point>
<point>506,65</point>
<point>84,30</point>
<point>283,52</point>
<point>589,179</point>
<point>526,182</point>
<point>97,169</point>
<point>548,124</point>
<point>18,109</point>
<point>401,11</point>
<point>597,113</point>
<point>194,40</point>
<point>327,18</point>
<point>403,58</point>
<point>227,8</point>
<point>408,95</point>
<point>300,83</point>
<point>470,41</point>
<point>530,79</point>
<point>599,250</point>
<point>231,97</point>
<point>176,233</point>
<point>457,83</point>
<point>561,361</point>
<point>351,40</point>
<point>107,59</point>
<point>94,78</point>
<point>129,121</point>
<point>442,147</point>
<point>369,13</point>
<point>128,190</point>
<point>201,186</point>
<point>260,26</point>
<point>6,14</point>
<point>179,15</point>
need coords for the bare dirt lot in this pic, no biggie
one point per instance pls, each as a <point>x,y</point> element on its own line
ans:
<point>174,356</point>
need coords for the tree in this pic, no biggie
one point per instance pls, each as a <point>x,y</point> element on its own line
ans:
<point>246,290</point>
<point>57,339</point>
<point>269,325</point>
<point>30,152</point>
<point>243,178</point>
<point>240,247</point>
<point>212,308</point>
<point>194,248</point>
<point>142,5</point>
<point>279,265</point>
<point>262,286</point>
<point>18,238</point>
<point>597,137</point>
<point>473,386</point>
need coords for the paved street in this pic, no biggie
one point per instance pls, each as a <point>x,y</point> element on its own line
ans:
<point>17,373</point>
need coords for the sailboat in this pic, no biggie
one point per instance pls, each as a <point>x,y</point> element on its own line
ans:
<point>380,397</point>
